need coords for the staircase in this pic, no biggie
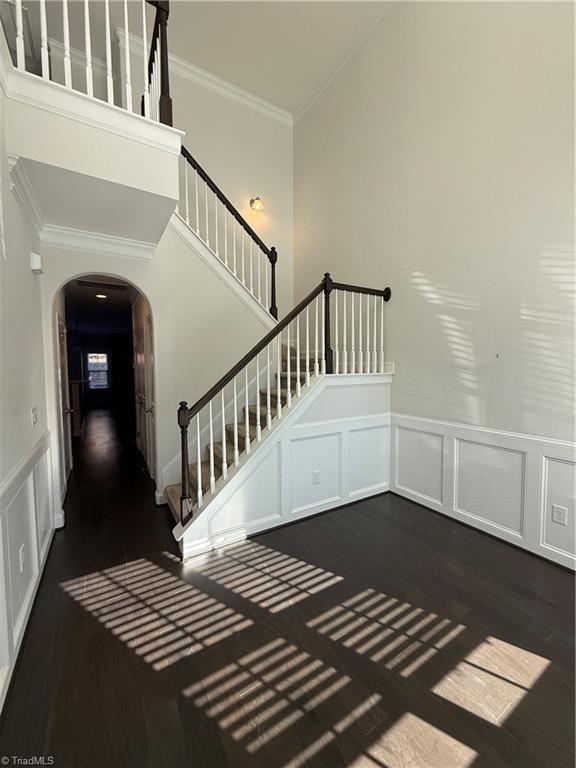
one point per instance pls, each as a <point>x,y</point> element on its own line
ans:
<point>242,410</point>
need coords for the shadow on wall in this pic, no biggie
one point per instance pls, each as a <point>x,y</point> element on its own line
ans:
<point>293,704</point>
<point>547,323</point>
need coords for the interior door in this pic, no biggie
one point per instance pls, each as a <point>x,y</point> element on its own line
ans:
<point>149,398</point>
<point>64,389</point>
<point>140,385</point>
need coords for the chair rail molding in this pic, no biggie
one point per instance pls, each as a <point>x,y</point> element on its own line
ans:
<point>503,483</point>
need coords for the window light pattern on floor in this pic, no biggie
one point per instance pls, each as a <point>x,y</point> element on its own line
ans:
<point>267,692</point>
<point>387,630</point>
<point>266,577</point>
<point>159,616</point>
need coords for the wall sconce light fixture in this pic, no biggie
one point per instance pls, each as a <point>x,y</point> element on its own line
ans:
<point>256,204</point>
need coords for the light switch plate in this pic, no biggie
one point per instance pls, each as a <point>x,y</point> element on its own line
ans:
<point>559,514</point>
<point>316,477</point>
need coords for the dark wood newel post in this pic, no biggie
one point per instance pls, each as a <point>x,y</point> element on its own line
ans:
<point>273,258</point>
<point>183,423</point>
<point>328,285</point>
<point>165,104</point>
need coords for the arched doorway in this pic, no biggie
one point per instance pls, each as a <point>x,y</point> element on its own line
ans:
<point>105,371</point>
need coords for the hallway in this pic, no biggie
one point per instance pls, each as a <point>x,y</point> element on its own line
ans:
<point>334,642</point>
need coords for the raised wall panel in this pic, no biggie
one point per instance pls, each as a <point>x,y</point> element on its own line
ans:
<point>43,501</point>
<point>20,522</point>
<point>368,453</point>
<point>489,484</point>
<point>419,462</point>
<point>255,502</point>
<point>321,454</point>
<point>559,480</point>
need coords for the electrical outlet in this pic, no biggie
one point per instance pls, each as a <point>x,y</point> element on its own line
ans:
<point>34,416</point>
<point>316,477</point>
<point>21,558</point>
<point>559,514</point>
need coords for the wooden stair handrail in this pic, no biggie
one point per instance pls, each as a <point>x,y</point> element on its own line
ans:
<point>224,200</point>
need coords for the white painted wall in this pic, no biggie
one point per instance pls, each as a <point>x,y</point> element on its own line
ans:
<point>440,161</point>
<point>201,324</point>
<point>26,508</point>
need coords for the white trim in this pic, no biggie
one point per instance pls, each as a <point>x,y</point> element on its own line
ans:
<point>32,90</point>
<point>59,518</point>
<point>182,68</point>
<point>14,479</point>
<point>77,57</point>
<point>375,18</point>
<point>54,235</point>
<point>188,236</point>
<point>528,485</point>
<point>24,194</point>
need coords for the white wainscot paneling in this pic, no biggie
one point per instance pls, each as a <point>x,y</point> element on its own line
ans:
<point>559,480</point>
<point>43,502</point>
<point>368,459</point>
<point>316,471</point>
<point>419,463</point>
<point>254,504</point>
<point>21,553</point>
<point>489,484</point>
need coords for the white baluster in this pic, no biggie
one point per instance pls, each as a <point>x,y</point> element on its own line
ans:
<point>353,349</point>
<point>44,41</point>
<point>246,411</point>
<point>258,427</point>
<point>127,59</point>
<point>66,36</point>
<point>251,268</point>
<point>344,333</point>
<point>298,387</point>
<point>211,448</point>
<point>316,367</point>
<point>236,451</point>
<point>266,282</point>
<point>225,212</point>
<point>224,449</point>
<point>196,203</point>
<point>279,381</point>
<point>368,351</point>
<point>382,336</point>
<point>259,268</point>
<point>336,342</point>
<point>375,339</point>
<point>307,346</point>
<point>20,52</point>
<point>186,206</point>
<point>216,225</point>
<point>109,76</point>
<point>288,369</point>
<point>88,51</point>
<point>146,92</point>
<point>198,462</point>
<point>234,234</point>
<point>242,235</point>
<point>268,391</point>
<point>207,233</point>
<point>360,337</point>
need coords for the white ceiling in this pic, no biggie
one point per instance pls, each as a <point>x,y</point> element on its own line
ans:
<point>283,52</point>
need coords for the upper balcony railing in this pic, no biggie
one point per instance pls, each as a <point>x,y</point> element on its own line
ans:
<point>115,81</point>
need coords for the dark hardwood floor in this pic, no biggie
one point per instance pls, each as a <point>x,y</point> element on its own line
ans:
<point>380,635</point>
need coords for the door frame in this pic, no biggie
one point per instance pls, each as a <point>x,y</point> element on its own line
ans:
<point>64,421</point>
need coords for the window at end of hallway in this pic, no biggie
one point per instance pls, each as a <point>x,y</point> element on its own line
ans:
<point>97,370</point>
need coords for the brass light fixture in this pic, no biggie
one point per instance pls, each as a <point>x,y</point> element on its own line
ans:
<point>256,204</point>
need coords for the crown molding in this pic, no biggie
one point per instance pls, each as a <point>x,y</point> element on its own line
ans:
<point>24,194</point>
<point>68,238</point>
<point>210,82</point>
<point>77,57</point>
